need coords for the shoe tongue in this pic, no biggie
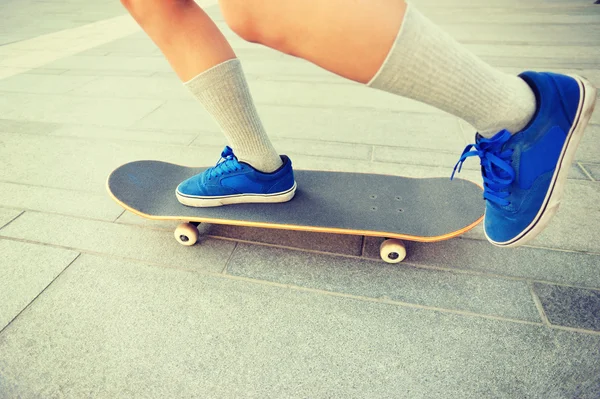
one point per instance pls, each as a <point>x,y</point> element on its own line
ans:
<point>227,152</point>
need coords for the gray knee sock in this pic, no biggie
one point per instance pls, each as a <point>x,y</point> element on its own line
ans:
<point>224,92</point>
<point>427,65</point>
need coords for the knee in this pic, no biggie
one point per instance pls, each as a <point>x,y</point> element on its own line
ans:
<point>253,24</point>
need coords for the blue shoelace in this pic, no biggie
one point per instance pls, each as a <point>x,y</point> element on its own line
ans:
<point>227,164</point>
<point>498,173</point>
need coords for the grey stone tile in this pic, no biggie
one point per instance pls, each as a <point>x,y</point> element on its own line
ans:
<point>294,147</point>
<point>569,306</point>
<point>525,262</point>
<point>577,173</point>
<point>358,126</point>
<point>106,72</point>
<point>134,87</point>
<point>105,133</point>
<point>577,35</point>
<point>119,240</point>
<point>8,215</point>
<point>412,156</point>
<point>593,169</point>
<point>319,94</point>
<point>42,84</point>
<point>26,127</point>
<point>334,243</point>
<point>588,150</point>
<point>46,71</point>
<point>67,109</point>
<point>170,333</point>
<point>582,378</point>
<point>26,270</point>
<point>112,62</point>
<point>45,199</point>
<point>166,225</point>
<point>84,164</point>
<point>361,277</point>
<point>130,45</point>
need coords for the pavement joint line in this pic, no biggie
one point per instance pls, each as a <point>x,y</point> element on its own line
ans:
<point>141,118</point>
<point>363,246</point>
<point>585,171</point>
<point>40,293</point>
<point>192,141</point>
<point>235,247</point>
<point>118,217</point>
<point>574,330</point>
<point>13,219</point>
<point>48,187</point>
<point>286,286</point>
<point>295,249</point>
<point>306,289</point>
<point>410,264</point>
<point>540,247</point>
<point>538,304</point>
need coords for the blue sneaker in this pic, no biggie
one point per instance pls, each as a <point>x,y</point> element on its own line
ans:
<point>233,182</point>
<point>524,174</point>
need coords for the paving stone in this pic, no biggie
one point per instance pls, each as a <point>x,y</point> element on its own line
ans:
<point>7,215</point>
<point>114,62</point>
<point>104,133</point>
<point>67,109</point>
<point>569,306</point>
<point>119,240</point>
<point>398,282</point>
<point>84,164</point>
<point>232,338</point>
<point>582,378</point>
<point>357,126</point>
<point>576,35</point>
<point>577,173</point>
<point>588,150</point>
<point>48,18</point>
<point>593,169</point>
<point>42,84</point>
<point>319,94</point>
<point>107,72</point>
<point>134,87</point>
<point>46,71</point>
<point>26,127</point>
<point>45,199</point>
<point>26,270</point>
<point>302,147</point>
<point>525,262</point>
<point>411,156</point>
<point>334,243</point>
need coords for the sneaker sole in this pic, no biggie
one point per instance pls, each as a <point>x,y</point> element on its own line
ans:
<point>554,195</point>
<point>208,202</point>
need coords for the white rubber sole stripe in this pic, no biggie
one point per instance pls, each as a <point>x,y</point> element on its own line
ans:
<point>551,203</point>
<point>208,202</point>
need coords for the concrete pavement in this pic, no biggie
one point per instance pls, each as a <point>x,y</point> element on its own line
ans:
<point>97,302</point>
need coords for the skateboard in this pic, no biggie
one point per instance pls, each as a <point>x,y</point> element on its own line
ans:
<point>391,207</point>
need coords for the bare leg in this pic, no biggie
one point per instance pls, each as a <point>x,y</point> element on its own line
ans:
<point>188,38</point>
<point>391,46</point>
<point>204,60</point>
<point>349,37</point>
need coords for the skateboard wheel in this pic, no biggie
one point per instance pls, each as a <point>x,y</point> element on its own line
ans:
<point>392,251</point>
<point>186,234</point>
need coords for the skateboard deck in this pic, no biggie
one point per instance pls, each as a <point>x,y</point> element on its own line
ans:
<point>415,209</point>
